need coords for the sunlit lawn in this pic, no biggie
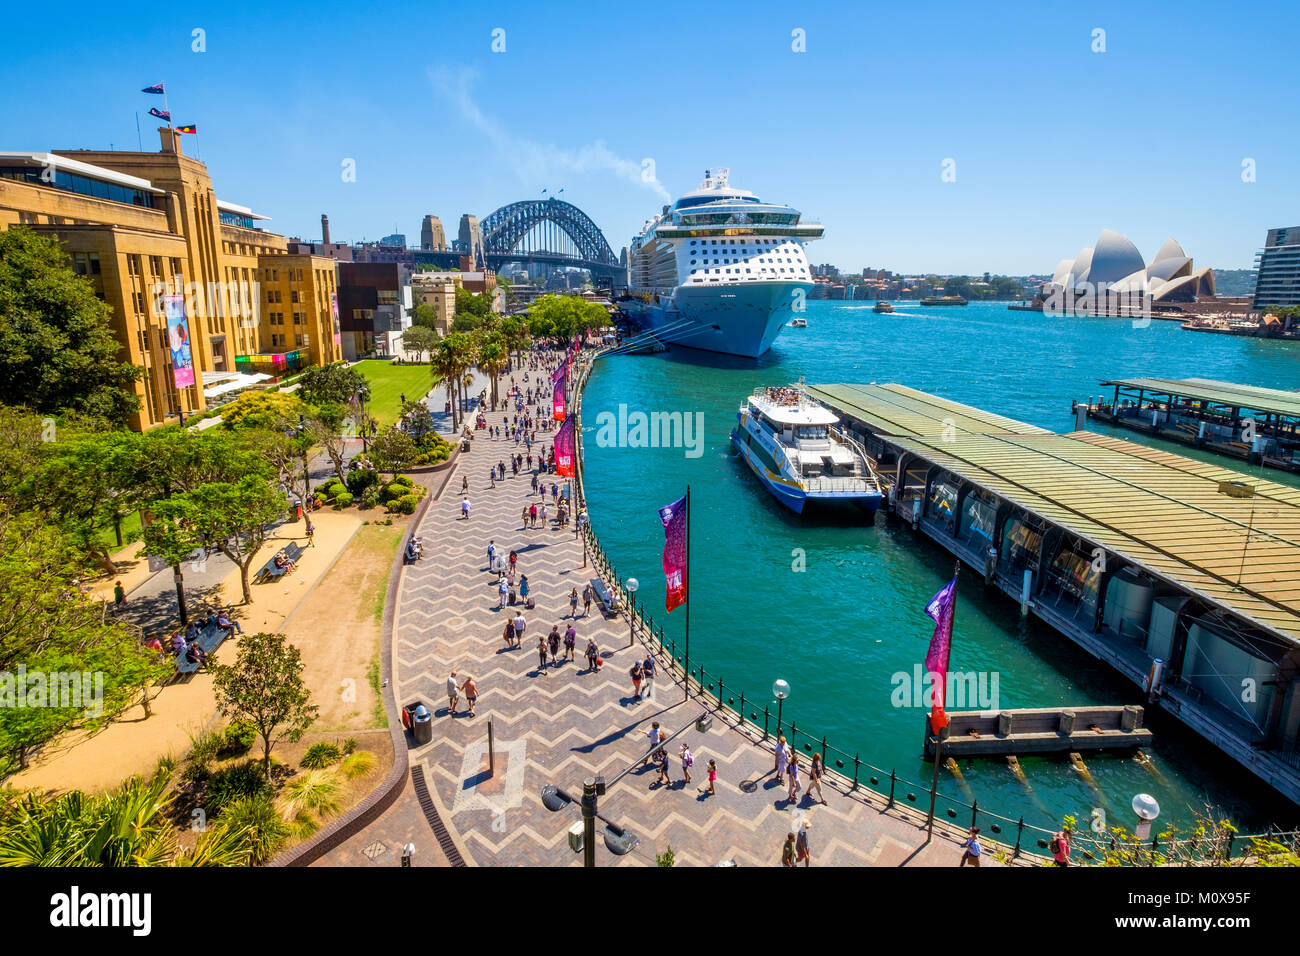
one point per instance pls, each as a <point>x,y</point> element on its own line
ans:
<point>388,382</point>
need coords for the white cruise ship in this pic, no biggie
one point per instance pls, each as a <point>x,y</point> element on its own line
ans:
<point>720,270</point>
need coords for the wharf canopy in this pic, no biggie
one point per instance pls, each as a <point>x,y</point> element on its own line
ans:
<point>1115,264</point>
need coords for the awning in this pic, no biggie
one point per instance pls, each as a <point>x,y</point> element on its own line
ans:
<point>233,382</point>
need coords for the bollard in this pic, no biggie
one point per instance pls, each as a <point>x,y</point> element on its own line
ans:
<point>765,715</point>
<point>492,757</point>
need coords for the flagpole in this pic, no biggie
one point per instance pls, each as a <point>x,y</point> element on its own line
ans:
<point>167,109</point>
<point>939,735</point>
<point>139,140</point>
<point>687,662</point>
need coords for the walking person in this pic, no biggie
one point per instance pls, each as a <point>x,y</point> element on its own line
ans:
<point>520,626</point>
<point>523,587</point>
<point>782,758</point>
<point>523,519</point>
<point>973,850</point>
<point>509,633</point>
<point>688,761</point>
<point>119,596</point>
<point>453,694</point>
<point>471,693</point>
<point>570,644</point>
<point>788,851</point>
<point>573,602</point>
<point>553,641</point>
<point>636,674</point>
<point>592,650</point>
<point>664,776</point>
<point>648,674</point>
<point>541,654</point>
<point>792,772</point>
<point>802,851</point>
<point>514,561</point>
<point>464,484</point>
<point>713,777</point>
<point>815,777</point>
<point>586,600</point>
<point>1060,847</point>
<point>464,507</point>
<point>503,593</point>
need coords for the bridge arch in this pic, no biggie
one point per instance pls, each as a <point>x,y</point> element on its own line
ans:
<point>505,230</point>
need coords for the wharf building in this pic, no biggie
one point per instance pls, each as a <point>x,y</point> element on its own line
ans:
<point>141,226</point>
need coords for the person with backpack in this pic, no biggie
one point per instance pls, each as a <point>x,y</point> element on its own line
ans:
<point>541,655</point>
<point>553,640</point>
<point>570,644</point>
<point>592,652</point>
<point>1060,847</point>
<point>688,761</point>
<point>973,850</point>
<point>636,673</point>
<point>802,851</point>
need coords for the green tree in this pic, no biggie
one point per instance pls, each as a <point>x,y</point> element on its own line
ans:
<point>235,516</point>
<point>265,687</point>
<point>58,350</point>
<point>331,426</point>
<point>92,669</point>
<point>419,339</point>
<point>336,382</point>
<point>393,451</point>
<point>425,316</point>
<point>493,359</point>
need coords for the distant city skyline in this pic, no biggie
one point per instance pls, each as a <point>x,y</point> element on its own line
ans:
<point>1050,142</point>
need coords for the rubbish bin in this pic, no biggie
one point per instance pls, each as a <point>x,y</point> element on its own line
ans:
<point>422,725</point>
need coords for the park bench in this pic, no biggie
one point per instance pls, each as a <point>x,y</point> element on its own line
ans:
<point>269,572</point>
<point>210,638</point>
<point>608,601</point>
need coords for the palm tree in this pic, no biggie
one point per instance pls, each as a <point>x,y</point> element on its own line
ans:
<point>464,353</point>
<point>442,360</point>
<point>493,359</point>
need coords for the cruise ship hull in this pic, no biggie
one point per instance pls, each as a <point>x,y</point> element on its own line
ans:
<point>741,319</point>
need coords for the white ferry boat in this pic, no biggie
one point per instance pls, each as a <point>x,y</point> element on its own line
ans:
<point>798,451</point>
<point>720,269</point>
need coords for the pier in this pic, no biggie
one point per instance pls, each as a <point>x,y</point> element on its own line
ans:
<point>1257,425</point>
<point>1180,574</point>
<point>1040,730</point>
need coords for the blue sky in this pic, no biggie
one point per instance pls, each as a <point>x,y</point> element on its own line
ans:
<point>1052,142</point>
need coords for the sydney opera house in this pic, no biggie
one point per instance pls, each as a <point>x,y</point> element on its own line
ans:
<point>1114,269</point>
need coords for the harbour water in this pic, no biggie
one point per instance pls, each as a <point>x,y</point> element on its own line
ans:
<point>836,607</point>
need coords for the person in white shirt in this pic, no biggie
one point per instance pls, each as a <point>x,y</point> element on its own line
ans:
<point>453,694</point>
<point>520,624</point>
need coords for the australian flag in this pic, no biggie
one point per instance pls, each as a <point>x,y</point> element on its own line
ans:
<point>161,114</point>
<point>156,88</point>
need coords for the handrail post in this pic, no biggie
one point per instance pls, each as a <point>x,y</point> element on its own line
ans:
<point>742,709</point>
<point>893,780</point>
<point>765,714</point>
<point>856,766</point>
<point>974,812</point>
<point>1020,829</point>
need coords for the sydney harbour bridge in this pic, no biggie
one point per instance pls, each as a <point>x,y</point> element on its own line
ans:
<point>545,232</point>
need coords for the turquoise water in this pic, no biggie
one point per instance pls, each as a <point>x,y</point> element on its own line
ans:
<point>840,629</point>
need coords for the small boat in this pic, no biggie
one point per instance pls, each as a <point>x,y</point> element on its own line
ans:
<point>798,451</point>
<point>798,322</point>
<point>883,307</point>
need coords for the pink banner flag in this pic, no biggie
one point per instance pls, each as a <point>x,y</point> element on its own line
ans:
<point>674,518</point>
<point>557,400</point>
<point>941,609</point>
<point>560,372</point>
<point>564,450</point>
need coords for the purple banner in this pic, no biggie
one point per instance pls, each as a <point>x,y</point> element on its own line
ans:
<point>674,518</point>
<point>560,372</point>
<point>941,609</point>
<point>559,412</point>
<point>564,449</point>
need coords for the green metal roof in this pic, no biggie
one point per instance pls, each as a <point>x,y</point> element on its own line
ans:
<point>899,410</point>
<point>1159,510</point>
<point>1252,397</point>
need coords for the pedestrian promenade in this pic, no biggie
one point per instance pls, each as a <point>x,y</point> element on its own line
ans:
<point>558,725</point>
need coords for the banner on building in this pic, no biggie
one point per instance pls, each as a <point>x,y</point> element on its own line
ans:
<point>178,337</point>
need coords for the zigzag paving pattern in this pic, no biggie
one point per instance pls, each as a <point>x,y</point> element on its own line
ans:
<point>561,724</point>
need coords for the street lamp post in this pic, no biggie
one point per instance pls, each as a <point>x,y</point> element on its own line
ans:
<point>780,690</point>
<point>631,584</point>
<point>1147,809</point>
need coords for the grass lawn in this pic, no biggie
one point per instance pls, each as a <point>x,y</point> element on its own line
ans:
<point>388,382</point>
<point>130,525</point>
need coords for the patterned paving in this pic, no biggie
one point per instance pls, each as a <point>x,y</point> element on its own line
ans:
<point>563,723</point>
